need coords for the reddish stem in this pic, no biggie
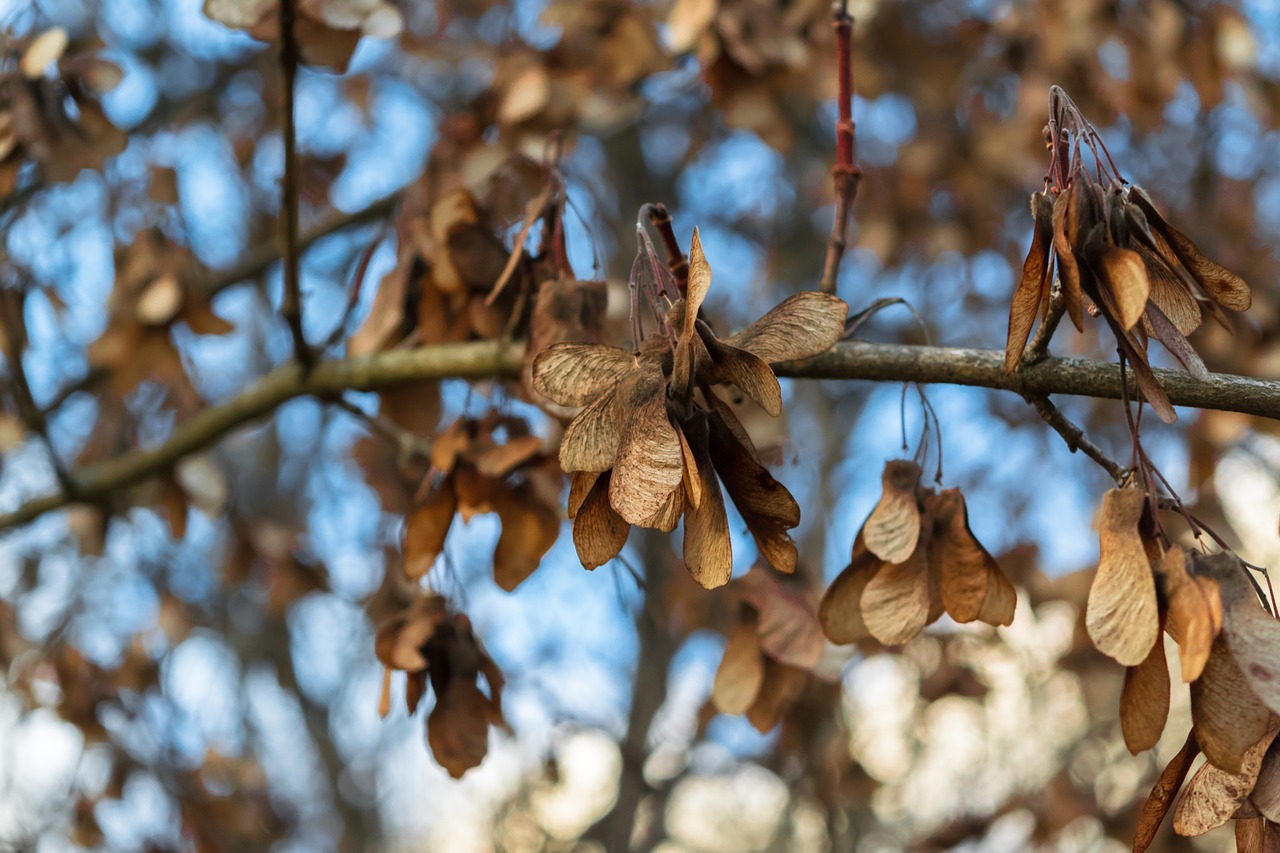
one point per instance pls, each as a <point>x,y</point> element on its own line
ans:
<point>676,261</point>
<point>845,174</point>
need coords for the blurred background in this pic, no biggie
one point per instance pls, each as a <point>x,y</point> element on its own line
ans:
<point>190,664</point>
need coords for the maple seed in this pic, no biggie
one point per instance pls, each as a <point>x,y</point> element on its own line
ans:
<point>1116,256</point>
<point>1122,615</point>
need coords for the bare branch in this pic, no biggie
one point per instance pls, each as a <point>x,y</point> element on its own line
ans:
<point>291,305</point>
<point>845,174</point>
<point>502,359</point>
<point>15,337</point>
<point>1075,438</point>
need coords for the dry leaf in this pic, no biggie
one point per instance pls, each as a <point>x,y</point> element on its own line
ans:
<point>801,326</point>
<point>1161,796</point>
<point>426,528</point>
<point>788,626</point>
<point>741,671</point>
<point>1266,792</point>
<point>781,685</point>
<point>571,374</point>
<point>598,531</point>
<point>708,554</point>
<point>1213,794</point>
<point>1030,293</point>
<point>1259,835</point>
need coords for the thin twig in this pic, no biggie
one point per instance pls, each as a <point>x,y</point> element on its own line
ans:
<point>291,305</point>
<point>1075,438</point>
<point>502,360</point>
<point>676,261</point>
<point>1039,346</point>
<point>845,174</point>
<point>15,336</point>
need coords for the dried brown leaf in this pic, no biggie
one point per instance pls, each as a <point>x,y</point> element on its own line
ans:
<point>426,529</point>
<point>1068,268</point>
<point>1194,611</point>
<point>765,505</point>
<point>750,373</point>
<point>1259,835</point>
<point>529,529</point>
<point>1124,277</point>
<point>1213,794</point>
<point>598,531</point>
<point>741,671</point>
<point>1161,796</point>
<point>1122,616</point>
<point>1229,289</point>
<point>708,554</point>
<point>961,563</point>
<point>788,624</point>
<point>1266,791</point>
<point>782,684</point>
<point>1030,291</point>
<point>1252,634</point>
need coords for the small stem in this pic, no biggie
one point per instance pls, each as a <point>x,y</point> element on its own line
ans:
<point>291,305</point>
<point>15,334</point>
<point>1075,438</point>
<point>845,174</point>
<point>1039,346</point>
<point>676,261</point>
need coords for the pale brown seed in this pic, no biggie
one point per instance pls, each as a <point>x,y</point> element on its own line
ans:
<point>598,531</point>
<point>893,528</point>
<point>572,374</point>
<point>840,611</point>
<point>782,684</point>
<point>1194,611</point>
<point>1213,794</point>
<point>801,326</point>
<point>895,603</point>
<point>590,442</point>
<point>1122,615</point>
<point>1266,791</point>
<point>649,465</point>
<point>1229,718</point>
<point>708,554</point>
<point>1144,701</point>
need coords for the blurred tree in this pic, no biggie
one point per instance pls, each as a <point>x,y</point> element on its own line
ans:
<point>329,365</point>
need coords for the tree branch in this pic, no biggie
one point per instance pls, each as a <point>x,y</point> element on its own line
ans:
<point>501,359</point>
<point>845,174</point>
<point>1075,438</point>
<point>291,304</point>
